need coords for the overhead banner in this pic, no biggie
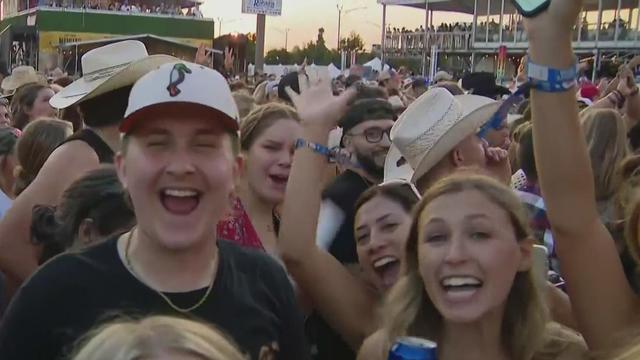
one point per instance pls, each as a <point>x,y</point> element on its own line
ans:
<point>266,7</point>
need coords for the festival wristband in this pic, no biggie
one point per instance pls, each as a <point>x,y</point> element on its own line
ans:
<point>316,148</point>
<point>552,80</point>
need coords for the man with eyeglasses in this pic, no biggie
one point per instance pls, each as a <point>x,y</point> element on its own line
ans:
<point>365,130</point>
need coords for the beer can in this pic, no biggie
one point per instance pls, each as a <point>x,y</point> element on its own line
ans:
<point>412,348</point>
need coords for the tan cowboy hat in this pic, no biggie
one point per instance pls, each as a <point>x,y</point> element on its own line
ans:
<point>396,167</point>
<point>108,68</point>
<point>20,76</point>
<point>434,125</point>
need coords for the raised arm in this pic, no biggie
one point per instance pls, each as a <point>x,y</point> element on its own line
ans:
<point>602,301</point>
<point>342,299</point>
<point>18,256</point>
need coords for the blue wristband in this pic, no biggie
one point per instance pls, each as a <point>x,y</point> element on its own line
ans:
<point>316,148</point>
<point>552,80</point>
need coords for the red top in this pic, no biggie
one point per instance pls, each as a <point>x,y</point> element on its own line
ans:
<point>238,229</point>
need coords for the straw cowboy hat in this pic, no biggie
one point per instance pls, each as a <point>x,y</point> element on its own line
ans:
<point>108,68</point>
<point>430,128</point>
<point>20,76</point>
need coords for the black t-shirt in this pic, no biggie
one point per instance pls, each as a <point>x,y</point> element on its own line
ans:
<point>252,301</point>
<point>344,192</point>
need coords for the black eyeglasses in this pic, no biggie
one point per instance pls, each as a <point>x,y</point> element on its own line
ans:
<point>374,135</point>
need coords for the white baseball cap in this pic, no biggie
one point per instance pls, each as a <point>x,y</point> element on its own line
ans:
<point>181,85</point>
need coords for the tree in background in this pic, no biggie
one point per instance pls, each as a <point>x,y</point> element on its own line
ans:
<point>352,43</point>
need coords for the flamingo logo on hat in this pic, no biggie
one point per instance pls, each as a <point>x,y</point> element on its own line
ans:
<point>176,77</point>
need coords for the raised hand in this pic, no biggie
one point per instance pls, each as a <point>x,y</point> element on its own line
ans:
<point>228,59</point>
<point>202,57</point>
<point>318,107</point>
<point>627,82</point>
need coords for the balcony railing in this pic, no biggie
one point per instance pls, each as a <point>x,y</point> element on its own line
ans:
<point>413,43</point>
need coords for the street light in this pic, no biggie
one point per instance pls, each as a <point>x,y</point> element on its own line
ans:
<point>221,20</point>
<point>340,10</point>
<point>286,36</point>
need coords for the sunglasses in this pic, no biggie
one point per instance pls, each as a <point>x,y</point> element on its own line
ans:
<point>497,119</point>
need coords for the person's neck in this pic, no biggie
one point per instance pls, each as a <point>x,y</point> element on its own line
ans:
<point>110,135</point>
<point>477,341</point>
<point>166,270</point>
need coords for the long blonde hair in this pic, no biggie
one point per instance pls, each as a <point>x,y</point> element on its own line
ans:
<point>606,136</point>
<point>142,339</point>
<point>410,312</point>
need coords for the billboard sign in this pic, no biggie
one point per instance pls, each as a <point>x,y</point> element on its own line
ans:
<point>266,7</point>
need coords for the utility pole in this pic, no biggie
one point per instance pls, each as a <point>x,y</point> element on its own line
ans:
<point>340,7</point>
<point>260,34</point>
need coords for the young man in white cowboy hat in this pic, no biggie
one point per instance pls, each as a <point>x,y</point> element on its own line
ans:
<point>101,95</point>
<point>437,135</point>
<point>178,164</point>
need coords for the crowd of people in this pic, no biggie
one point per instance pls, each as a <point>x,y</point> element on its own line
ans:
<point>188,215</point>
<point>139,7</point>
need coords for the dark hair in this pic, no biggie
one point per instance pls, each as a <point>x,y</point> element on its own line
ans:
<point>364,110</point>
<point>634,137</point>
<point>526,156</point>
<point>451,87</point>
<point>107,109</point>
<point>351,80</point>
<point>401,193</point>
<point>72,115</point>
<point>262,118</point>
<point>64,81</point>
<point>98,196</point>
<point>39,139</point>
<point>22,102</point>
<point>371,92</point>
<point>8,140</point>
<point>290,80</point>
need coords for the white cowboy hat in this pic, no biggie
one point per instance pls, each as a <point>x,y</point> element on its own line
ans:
<point>435,124</point>
<point>396,167</point>
<point>108,68</point>
<point>20,76</point>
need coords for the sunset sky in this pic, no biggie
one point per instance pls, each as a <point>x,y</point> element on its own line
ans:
<point>305,17</point>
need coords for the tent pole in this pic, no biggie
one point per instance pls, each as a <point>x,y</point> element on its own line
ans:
<point>426,38</point>
<point>384,32</point>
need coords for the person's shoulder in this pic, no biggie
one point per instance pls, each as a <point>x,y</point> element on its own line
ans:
<point>73,265</point>
<point>345,184</point>
<point>373,347</point>
<point>562,343</point>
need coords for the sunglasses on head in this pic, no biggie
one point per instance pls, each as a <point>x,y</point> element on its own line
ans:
<point>496,120</point>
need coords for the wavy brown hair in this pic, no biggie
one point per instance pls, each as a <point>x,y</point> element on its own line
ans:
<point>410,312</point>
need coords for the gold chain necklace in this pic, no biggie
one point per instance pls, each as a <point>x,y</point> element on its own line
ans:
<point>166,298</point>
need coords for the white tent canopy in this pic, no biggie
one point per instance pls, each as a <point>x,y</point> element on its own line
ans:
<point>376,64</point>
<point>333,70</point>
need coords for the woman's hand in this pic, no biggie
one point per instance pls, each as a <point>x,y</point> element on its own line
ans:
<point>318,107</point>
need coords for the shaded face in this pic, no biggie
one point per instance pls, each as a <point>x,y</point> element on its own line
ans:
<point>268,161</point>
<point>381,230</point>
<point>371,155</point>
<point>179,174</point>
<point>5,117</point>
<point>41,107</point>
<point>468,255</point>
<point>472,152</point>
<point>499,137</point>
